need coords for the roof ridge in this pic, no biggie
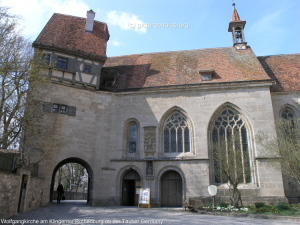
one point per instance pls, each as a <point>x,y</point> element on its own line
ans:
<point>169,52</point>
<point>79,17</point>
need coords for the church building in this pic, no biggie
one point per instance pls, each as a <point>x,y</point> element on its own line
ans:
<point>151,120</point>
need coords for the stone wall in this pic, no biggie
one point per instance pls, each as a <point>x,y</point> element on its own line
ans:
<point>10,189</point>
<point>9,194</point>
<point>34,193</point>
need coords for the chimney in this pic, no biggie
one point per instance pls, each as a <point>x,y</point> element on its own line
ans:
<point>90,15</point>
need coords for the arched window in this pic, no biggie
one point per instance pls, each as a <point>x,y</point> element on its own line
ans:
<point>132,137</point>
<point>230,148</point>
<point>287,113</point>
<point>176,134</point>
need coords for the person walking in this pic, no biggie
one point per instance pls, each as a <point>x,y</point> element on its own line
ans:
<point>60,192</point>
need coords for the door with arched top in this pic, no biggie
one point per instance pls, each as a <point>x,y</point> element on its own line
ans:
<point>131,181</point>
<point>171,189</point>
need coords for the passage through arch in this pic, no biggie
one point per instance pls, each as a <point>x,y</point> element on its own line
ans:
<point>76,177</point>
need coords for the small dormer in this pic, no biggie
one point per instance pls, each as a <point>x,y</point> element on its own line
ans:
<point>236,27</point>
<point>206,75</point>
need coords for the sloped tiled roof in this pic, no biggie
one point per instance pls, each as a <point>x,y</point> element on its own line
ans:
<point>285,69</point>
<point>67,33</point>
<point>182,68</point>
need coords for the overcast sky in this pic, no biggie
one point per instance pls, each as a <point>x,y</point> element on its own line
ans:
<point>140,26</point>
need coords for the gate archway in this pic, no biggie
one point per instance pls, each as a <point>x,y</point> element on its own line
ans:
<point>81,162</point>
<point>171,189</point>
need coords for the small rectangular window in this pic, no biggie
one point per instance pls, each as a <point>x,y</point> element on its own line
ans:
<point>63,109</point>
<point>55,108</point>
<point>206,77</point>
<point>87,69</point>
<point>47,58</point>
<point>62,63</point>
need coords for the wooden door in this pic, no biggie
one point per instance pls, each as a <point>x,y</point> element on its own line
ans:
<point>171,189</point>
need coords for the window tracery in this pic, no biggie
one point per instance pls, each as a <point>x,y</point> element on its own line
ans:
<point>176,134</point>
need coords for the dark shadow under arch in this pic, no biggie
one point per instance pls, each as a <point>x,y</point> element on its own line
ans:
<point>81,162</point>
<point>131,180</point>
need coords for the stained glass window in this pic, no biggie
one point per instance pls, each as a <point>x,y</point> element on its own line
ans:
<point>132,137</point>
<point>287,113</point>
<point>231,148</point>
<point>176,134</point>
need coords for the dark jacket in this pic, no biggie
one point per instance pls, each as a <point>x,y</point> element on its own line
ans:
<point>60,189</point>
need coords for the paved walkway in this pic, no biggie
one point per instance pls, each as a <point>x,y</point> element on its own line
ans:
<point>76,212</point>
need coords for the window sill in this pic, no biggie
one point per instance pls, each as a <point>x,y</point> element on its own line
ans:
<point>179,155</point>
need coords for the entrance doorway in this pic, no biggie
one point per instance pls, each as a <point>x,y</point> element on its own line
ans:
<point>171,189</point>
<point>131,181</point>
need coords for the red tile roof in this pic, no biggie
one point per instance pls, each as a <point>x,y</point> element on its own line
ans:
<point>285,69</point>
<point>182,68</point>
<point>67,33</point>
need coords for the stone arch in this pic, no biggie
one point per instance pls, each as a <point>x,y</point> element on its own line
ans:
<point>158,181</point>
<point>215,115</point>
<point>161,129</point>
<point>119,180</point>
<point>90,176</point>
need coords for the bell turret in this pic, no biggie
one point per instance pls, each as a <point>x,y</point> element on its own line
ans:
<point>236,27</point>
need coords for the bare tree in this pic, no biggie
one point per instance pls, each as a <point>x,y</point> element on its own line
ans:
<point>285,147</point>
<point>231,165</point>
<point>71,174</point>
<point>20,74</point>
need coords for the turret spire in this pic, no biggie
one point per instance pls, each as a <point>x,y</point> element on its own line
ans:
<point>236,27</point>
<point>235,15</point>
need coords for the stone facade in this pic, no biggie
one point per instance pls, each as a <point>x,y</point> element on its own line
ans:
<point>97,136</point>
<point>116,120</point>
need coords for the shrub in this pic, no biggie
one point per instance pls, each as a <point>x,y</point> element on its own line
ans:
<point>224,204</point>
<point>260,204</point>
<point>283,206</point>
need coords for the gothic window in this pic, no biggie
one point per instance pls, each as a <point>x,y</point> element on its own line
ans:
<point>132,139</point>
<point>176,134</point>
<point>287,113</point>
<point>230,147</point>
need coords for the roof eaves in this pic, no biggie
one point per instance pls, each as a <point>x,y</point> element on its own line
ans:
<point>70,51</point>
